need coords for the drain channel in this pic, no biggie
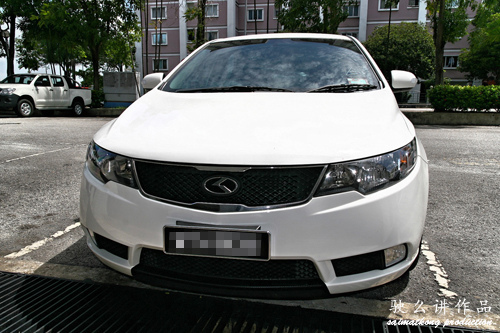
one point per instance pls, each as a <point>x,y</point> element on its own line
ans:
<point>39,304</point>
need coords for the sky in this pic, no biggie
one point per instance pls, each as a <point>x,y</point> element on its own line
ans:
<point>3,68</point>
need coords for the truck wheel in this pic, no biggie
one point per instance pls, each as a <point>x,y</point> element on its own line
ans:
<point>25,108</point>
<point>78,108</point>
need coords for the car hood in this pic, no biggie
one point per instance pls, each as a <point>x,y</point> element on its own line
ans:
<point>258,128</point>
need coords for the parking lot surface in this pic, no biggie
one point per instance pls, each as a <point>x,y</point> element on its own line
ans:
<point>41,160</point>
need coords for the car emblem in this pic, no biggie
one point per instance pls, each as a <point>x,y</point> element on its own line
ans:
<point>221,185</point>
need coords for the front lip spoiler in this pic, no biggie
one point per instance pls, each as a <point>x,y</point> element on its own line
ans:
<point>313,290</point>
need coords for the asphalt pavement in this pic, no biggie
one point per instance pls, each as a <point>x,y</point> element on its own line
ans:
<point>41,160</point>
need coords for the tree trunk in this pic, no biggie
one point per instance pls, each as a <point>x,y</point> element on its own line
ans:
<point>439,42</point>
<point>325,19</point>
<point>12,46</point>
<point>255,15</point>
<point>267,26</point>
<point>145,42</point>
<point>388,33</point>
<point>200,30</point>
<point>95,68</point>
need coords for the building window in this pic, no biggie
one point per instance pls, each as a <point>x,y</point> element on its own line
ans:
<point>353,34</point>
<point>277,11</point>
<point>212,11</point>
<point>211,35</point>
<point>159,39</point>
<point>413,3</point>
<point>160,64</point>
<point>352,10</point>
<point>191,35</point>
<point>450,61</point>
<point>385,4</point>
<point>158,13</point>
<point>255,15</point>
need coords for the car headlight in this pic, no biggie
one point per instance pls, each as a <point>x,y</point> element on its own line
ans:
<point>7,91</point>
<point>107,166</point>
<point>369,174</point>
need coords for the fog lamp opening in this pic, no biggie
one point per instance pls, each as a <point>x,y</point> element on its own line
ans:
<point>394,255</point>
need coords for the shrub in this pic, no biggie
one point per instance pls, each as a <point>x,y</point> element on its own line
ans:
<point>465,98</point>
<point>97,99</point>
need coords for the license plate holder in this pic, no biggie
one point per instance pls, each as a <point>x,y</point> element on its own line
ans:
<point>217,242</point>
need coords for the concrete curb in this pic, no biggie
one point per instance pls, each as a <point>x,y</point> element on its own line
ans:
<point>418,116</point>
<point>104,112</point>
<point>454,118</point>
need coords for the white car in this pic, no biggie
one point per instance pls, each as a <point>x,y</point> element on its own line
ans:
<point>28,93</point>
<point>271,166</point>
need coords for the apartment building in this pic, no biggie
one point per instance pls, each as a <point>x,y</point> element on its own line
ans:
<point>167,36</point>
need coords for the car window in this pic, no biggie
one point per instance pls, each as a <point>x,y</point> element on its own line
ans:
<point>57,81</point>
<point>42,81</point>
<point>291,64</point>
<point>18,79</point>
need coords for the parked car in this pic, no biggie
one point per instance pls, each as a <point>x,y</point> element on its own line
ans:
<point>27,93</point>
<point>264,166</point>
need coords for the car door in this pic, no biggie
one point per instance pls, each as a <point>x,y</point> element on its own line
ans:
<point>60,92</point>
<point>43,92</point>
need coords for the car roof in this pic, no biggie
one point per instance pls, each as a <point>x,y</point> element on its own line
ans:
<point>35,74</point>
<point>284,36</point>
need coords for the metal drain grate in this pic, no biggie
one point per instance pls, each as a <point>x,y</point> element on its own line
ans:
<point>40,304</point>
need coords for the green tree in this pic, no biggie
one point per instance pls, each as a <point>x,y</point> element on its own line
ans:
<point>92,26</point>
<point>44,43</point>
<point>10,12</point>
<point>410,47</point>
<point>449,21</point>
<point>482,59</point>
<point>319,16</point>
<point>197,13</point>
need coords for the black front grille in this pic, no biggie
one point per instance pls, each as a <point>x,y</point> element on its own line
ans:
<point>220,271</point>
<point>257,186</point>
<point>359,264</point>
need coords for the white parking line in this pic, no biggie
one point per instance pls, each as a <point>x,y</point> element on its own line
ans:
<point>440,274</point>
<point>37,245</point>
<point>33,155</point>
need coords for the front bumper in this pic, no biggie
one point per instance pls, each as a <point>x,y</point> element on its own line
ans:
<point>324,229</point>
<point>8,102</point>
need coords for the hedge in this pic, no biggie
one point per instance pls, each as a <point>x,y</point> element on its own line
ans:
<point>465,98</point>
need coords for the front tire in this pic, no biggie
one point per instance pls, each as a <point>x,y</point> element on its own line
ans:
<point>25,108</point>
<point>78,108</point>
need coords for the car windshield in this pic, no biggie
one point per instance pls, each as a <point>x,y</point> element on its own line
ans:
<point>18,79</point>
<point>283,64</point>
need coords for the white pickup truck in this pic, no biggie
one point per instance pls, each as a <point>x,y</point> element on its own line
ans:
<point>29,93</point>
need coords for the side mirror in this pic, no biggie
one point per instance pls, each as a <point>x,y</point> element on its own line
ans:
<point>152,80</point>
<point>403,81</point>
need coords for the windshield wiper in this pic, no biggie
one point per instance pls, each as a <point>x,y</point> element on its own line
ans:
<point>344,88</point>
<point>232,89</point>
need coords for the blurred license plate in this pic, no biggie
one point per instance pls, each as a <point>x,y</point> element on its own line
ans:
<point>217,242</point>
